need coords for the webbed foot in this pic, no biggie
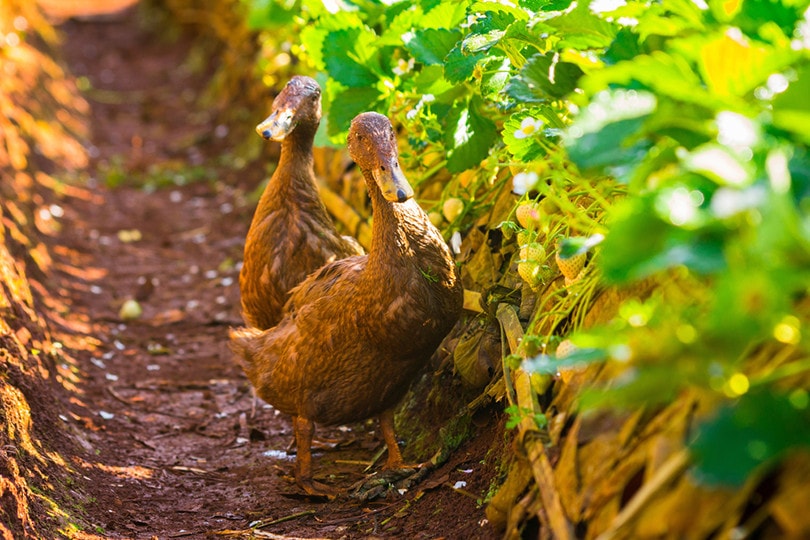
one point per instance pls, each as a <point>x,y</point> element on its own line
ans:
<point>381,483</point>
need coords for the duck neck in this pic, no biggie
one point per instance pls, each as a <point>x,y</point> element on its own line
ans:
<point>402,235</point>
<point>294,177</point>
<point>296,151</point>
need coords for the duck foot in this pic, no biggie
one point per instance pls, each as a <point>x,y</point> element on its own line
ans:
<point>317,489</point>
<point>381,483</point>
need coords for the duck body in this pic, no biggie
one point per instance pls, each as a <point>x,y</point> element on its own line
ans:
<point>291,234</point>
<point>355,333</point>
<point>353,337</point>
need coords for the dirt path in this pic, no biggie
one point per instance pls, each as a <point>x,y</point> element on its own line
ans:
<point>176,446</point>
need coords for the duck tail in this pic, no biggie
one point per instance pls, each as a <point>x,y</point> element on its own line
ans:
<point>244,342</point>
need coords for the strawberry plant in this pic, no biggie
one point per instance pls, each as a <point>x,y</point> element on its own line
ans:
<point>655,146</point>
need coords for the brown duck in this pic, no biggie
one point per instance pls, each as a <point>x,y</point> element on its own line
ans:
<point>355,333</point>
<point>291,234</point>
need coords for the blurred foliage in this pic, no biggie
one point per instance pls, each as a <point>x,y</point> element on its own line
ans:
<point>661,145</point>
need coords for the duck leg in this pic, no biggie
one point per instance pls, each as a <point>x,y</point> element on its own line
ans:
<point>304,430</point>
<point>397,473</point>
<point>387,427</point>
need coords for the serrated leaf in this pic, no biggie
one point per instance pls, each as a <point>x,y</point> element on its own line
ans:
<point>444,15</point>
<point>481,42</point>
<point>541,79</point>
<point>495,74</point>
<point>459,66</point>
<point>469,137</point>
<point>503,10</point>
<point>580,29</point>
<point>402,23</point>
<point>744,436</point>
<point>348,104</point>
<point>431,45</point>
<point>347,53</point>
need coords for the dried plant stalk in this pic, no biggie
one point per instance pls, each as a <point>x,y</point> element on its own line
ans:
<point>529,436</point>
<point>345,214</point>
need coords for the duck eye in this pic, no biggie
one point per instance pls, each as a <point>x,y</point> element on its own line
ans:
<point>382,167</point>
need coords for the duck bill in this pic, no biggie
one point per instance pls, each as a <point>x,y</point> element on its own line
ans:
<point>277,126</point>
<point>392,182</point>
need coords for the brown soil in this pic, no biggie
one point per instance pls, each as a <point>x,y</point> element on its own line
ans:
<point>173,444</point>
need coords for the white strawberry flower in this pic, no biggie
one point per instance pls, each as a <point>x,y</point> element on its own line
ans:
<point>403,66</point>
<point>528,127</point>
<point>523,182</point>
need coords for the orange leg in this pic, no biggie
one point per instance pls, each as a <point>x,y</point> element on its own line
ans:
<point>387,428</point>
<point>304,430</point>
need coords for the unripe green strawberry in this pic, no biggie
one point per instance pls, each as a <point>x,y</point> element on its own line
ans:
<point>525,237</point>
<point>571,266</point>
<point>436,218</point>
<point>452,208</point>
<point>533,251</point>
<point>528,215</point>
<point>571,281</point>
<point>530,272</point>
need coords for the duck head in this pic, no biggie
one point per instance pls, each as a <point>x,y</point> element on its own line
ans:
<point>373,146</point>
<point>298,102</point>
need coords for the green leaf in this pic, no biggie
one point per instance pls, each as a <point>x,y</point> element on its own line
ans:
<point>469,136</point>
<point>746,436</point>
<point>445,15</point>
<point>430,81</point>
<point>498,14</point>
<point>624,47</point>
<point>431,45</point>
<point>546,5</point>
<point>542,79</point>
<point>495,73</point>
<point>489,28</point>
<point>459,66</point>
<point>640,243</point>
<point>665,75</point>
<point>348,104</point>
<point>756,13</point>
<point>602,137</point>
<point>312,36</point>
<point>402,23</point>
<point>580,29</point>
<point>347,54</point>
